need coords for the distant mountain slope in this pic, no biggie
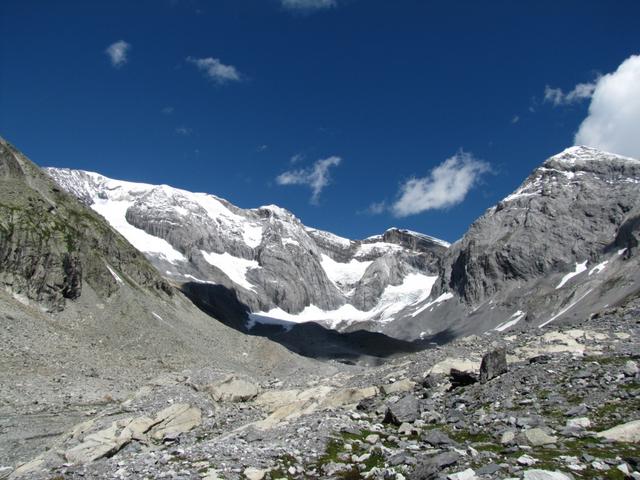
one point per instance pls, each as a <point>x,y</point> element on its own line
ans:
<point>562,246</point>
<point>86,320</point>
<point>276,268</point>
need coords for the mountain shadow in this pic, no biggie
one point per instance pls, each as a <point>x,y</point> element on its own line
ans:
<point>308,339</point>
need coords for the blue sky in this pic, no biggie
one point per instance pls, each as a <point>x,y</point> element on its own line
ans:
<point>339,110</point>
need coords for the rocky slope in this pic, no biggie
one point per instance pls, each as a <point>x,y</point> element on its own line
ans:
<point>559,404</point>
<point>271,264</point>
<point>85,319</point>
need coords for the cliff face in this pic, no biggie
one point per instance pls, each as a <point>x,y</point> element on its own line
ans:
<point>569,210</point>
<point>51,244</point>
<point>264,258</point>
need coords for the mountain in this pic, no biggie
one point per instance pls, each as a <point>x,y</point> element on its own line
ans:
<point>562,246</point>
<point>264,261</point>
<point>85,318</point>
<point>264,267</point>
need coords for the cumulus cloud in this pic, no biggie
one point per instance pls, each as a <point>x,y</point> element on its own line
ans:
<point>317,177</point>
<point>167,110</point>
<point>215,70</point>
<point>117,53</point>
<point>308,5</point>
<point>580,92</point>
<point>614,112</point>
<point>445,186</point>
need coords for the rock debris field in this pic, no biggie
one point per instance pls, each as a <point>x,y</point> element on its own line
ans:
<point>544,404</point>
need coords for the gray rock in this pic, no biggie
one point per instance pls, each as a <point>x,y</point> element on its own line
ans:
<point>627,432</point>
<point>100,444</point>
<point>233,389</point>
<point>407,409</point>
<point>493,364</point>
<point>436,438</point>
<point>545,475</point>
<point>489,469</point>
<point>630,368</point>
<point>429,467</point>
<point>536,437</point>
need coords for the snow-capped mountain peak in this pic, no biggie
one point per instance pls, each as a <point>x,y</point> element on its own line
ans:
<point>278,268</point>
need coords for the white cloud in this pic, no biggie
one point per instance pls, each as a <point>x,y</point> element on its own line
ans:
<point>515,119</point>
<point>297,158</point>
<point>445,186</point>
<point>308,5</point>
<point>316,177</point>
<point>215,70</point>
<point>167,110</point>
<point>118,52</point>
<point>614,113</point>
<point>376,208</point>
<point>184,131</point>
<point>580,92</point>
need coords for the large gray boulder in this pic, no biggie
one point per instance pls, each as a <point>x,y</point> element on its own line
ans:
<point>234,389</point>
<point>405,410</point>
<point>493,365</point>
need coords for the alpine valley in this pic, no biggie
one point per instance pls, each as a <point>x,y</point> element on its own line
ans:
<point>153,332</point>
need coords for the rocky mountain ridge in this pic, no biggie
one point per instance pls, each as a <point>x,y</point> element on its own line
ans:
<point>280,270</point>
<point>579,206</point>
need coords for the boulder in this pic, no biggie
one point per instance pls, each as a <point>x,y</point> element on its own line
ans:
<point>401,386</point>
<point>255,473</point>
<point>428,468</point>
<point>100,444</point>
<point>436,438</point>
<point>579,423</point>
<point>544,475</point>
<point>493,364</point>
<point>175,420</point>
<point>626,432</point>
<point>630,368</point>
<point>536,437</point>
<point>468,474</point>
<point>233,389</point>
<point>407,409</point>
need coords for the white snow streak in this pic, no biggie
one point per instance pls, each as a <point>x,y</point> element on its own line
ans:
<point>115,275</point>
<point>564,310</point>
<point>514,319</point>
<point>114,212</point>
<point>442,298</point>
<point>341,274</point>
<point>580,267</point>
<point>233,267</point>
<point>598,268</point>
<point>415,288</point>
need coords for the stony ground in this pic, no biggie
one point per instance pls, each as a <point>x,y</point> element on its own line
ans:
<point>555,413</point>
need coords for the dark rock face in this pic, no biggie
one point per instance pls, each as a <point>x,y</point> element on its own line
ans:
<point>628,236</point>
<point>50,244</point>
<point>459,378</point>
<point>493,364</point>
